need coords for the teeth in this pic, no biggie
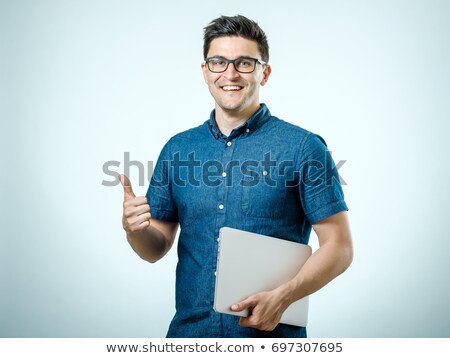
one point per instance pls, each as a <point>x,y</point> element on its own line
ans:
<point>231,88</point>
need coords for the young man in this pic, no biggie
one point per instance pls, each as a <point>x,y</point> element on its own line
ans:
<point>246,169</point>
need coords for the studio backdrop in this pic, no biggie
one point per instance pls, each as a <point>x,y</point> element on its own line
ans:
<point>88,85</point>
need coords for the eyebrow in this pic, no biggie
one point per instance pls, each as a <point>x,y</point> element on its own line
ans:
<point>229,58</point>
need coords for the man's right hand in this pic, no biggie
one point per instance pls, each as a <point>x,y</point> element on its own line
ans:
<point>136,211</point>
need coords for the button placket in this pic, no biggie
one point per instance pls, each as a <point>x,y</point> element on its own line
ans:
<point>222,191</point>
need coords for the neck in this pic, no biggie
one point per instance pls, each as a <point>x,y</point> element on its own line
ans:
<point>229,120</point>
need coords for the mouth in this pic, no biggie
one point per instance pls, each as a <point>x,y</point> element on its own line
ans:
<point>231,88</point>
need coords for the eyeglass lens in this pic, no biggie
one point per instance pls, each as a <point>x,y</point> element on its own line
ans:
<point>241,64</point>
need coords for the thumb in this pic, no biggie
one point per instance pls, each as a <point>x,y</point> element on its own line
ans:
<point>127,189</point>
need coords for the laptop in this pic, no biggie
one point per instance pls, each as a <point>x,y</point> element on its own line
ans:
<point>249,263</point>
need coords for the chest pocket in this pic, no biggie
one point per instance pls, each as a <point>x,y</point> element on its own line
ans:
<point>264,194</point>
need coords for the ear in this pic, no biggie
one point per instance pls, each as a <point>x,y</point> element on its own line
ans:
<point>266,74</point>
<point>204,69</point>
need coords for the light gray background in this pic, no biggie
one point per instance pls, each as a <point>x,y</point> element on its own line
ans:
<point>83,82</point>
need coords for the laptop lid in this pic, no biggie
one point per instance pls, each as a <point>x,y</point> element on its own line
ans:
<point>249,263</point>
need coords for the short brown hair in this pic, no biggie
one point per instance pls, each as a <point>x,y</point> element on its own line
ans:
<point>236,26</point>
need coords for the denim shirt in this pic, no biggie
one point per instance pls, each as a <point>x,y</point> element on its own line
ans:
<point>268,176</point>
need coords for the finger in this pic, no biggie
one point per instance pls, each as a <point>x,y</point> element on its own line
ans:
<point>259,326</point>
<point>131,210</point>
<point>136,201</point>
<point>140,219</point>
<point>142,209</point>
<point>140,227</point>
<point>137,219</point>
<point>139,222</point>
<point>127,189</point>
<point>254,321</point>
<point>246,322</point>
<point>246,304</point>
<point>144,225</point>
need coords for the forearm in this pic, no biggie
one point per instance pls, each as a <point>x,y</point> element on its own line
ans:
<point>328,262</point>
<point>150,239</point>
<point>267,307</point>
<point>150,244</point>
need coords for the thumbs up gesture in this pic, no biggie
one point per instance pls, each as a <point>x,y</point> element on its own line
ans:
<point>136,211</point>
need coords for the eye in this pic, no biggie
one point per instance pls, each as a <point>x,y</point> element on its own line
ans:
<point>245,62</point>
<point>217,61</point>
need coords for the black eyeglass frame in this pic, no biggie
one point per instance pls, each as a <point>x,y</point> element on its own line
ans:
<point>255,61</point>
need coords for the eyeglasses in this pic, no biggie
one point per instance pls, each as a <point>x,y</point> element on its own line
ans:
<point>243,64</point>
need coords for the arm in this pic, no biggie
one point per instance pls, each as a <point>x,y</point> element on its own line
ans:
<point>333,257</point>
<point>151,239</point>
<point>153,242</point>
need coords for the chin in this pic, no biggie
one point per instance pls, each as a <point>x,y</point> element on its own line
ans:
<point>231,108</point>
<point>234,106</point>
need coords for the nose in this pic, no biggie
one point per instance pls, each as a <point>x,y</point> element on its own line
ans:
<point>231,72</point>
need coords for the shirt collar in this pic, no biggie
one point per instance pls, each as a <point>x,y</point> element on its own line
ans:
<point>261,116</point>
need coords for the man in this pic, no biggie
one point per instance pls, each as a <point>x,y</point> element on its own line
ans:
<point>246,169</point>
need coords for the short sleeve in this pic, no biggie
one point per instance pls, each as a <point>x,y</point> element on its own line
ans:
<point>320,190</point>
<point>159,193</point>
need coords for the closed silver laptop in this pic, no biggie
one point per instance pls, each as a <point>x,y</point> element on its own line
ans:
<point>249,263</point>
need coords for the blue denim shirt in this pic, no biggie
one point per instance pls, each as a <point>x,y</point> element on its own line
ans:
<point>268,176</point>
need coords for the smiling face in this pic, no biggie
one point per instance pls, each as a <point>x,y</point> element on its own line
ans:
<point>236,94</point>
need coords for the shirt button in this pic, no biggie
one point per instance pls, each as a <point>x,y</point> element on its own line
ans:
<point>224,174</point>
<point>247,130</point>
<point>265,173</point>
<point>221,206</point>
<point>229,144</point>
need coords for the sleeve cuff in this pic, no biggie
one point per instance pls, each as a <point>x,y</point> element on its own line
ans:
<point>327,211</point>
<point>163,215</point>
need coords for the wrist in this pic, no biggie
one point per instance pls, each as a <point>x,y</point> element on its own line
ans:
<point>289,291</point>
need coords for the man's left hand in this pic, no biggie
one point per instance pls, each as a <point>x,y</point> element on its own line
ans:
<point>265,310</point>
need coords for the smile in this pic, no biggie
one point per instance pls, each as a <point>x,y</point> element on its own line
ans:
<point>232,88</point>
